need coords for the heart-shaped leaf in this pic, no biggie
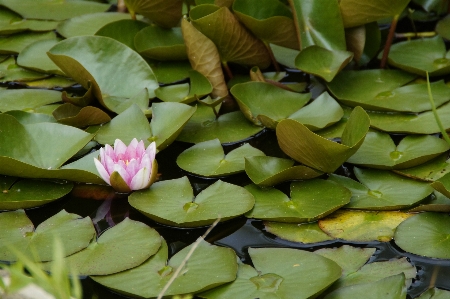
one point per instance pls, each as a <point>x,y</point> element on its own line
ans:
<point>172,202</point>
<point>208,159</point>
<point>297,232</point>
<point>27,99</point>
<point>161,44</point>
<point>18,233</point>
<point>298,142</point>
<point>208,266</point>
<point>303,206</point>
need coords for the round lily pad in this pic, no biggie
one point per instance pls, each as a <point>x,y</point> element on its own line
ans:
<point>310,200</point>
<point>208,266</point>
<point>137,243</point>
<point>23,194</point>
<point>172,202</point>
<point>306,233</point>
<point>362,226</point>
<point>425,228</point>
<point>208,159</point>
<point>382,190</point>
<point>279,273</point>
<point>18,234</point>
<point>160,43</point>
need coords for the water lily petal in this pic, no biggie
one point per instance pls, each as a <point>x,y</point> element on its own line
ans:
<point>108,162</point>
<point>133,167</point>
<point>145,162</point>
<point>108,151</point>
<point>130,153</point>
<point>151,151</point>
<point>141,180</point>
<point>119,148</point>
<point>140,149</point>
<point>102,171</point>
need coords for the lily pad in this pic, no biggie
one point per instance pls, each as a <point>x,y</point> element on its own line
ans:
<point>172,202</point>
<point>164,13</point>
<point>137,243</point>
<point>425,228</point>
<point>435,293</point>
<point>10,71</point>
<point>379,151</point>
<point>14,44</point>
<point>305,233</point>
<point>429,171</point>
<point>442,185</point>
<point>53,10</point>
<point>208,159</point>
<point>80,117</point>
<point>27,99</point>
<point>170,71</point>
<point>27,118</point>
<point>284,56</point>
<point>437,202</point>
<point>18,233</point>
<point>124,76</point>
<point>161,44</point>
<point>208,266</point>
<point>20,25</point>
<point>420,56</point>
<point>382,190</point>
<point>34,57</point>
<point>279,272</point>
<point>123,31</point>
<point>229,127</point>
<point>363,226</point>
<point>298,142</point>
<point>310,200</point>
<point>24,194</point>
<point>51,83</point>
<point>268,171</point>
<point>88,24</point>
<point>258,99</point>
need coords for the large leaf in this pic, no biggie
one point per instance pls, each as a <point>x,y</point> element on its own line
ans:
<point>34,57</point>
<point>27,99</point>
<point>172,202</point>
<point>161,44</point>
<point>123,31</point>
<point>116,74</point>
<point>18,234</point>
<point>164,13</point>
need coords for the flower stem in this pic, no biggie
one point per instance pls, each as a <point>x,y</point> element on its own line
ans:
<point>390,38</point>
<point>436,116</point>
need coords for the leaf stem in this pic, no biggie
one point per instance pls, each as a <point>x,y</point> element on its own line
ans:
<point>227,70</point>
<point>436,116</point>
<point>390,38</point>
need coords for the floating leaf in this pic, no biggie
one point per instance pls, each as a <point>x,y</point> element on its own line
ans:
<point>24,194</point>
<point>435,293</point>
<point>310,200</point>
<point>88,24</point>
<point>222,27</point>
<point>442,27</point>
<point>80,117</point>
<point>306,233</point>
<point>208,159</point>
<point>10,71</point>
<point>171,71</point>
<point>208,266</point>
<point>279,272</point>
<point>172,202</point>
<point>314,151</point>
<point>229,127</point>
<point>14,44</point>
<point>322,62</point>
<point>123,77</point>
<point>163,13</point>
<point>123,31</point>
<point>137,243</point>
<point>437,202</point>
<point>18,233</point>
<point>379,151</point>
<point>425,228</point>
<point>442,185</point>
<point>285,56</point>
<point>27,99</point>
<point>26,118</point>
<point>268,171</point>
<point>161,44</point>
<point>53,10</point>
<point>34,57</point>
<point>382,190</point>
<point>20,25</point>
<point>362,226</point>
<point>52,82</point>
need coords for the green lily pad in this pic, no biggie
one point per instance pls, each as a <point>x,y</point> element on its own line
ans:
<point>273,24</point>
<point>229,127</point>
<point>435,293</point>
<point>429,171</point>
<point>172,202</point>
<point>425,228</point>
<point>14,44</point>
<point>208,266</point>
<point>437,202</point>
<point>137,243</point>
<point>123,77</point>
<point>27,118</point>
<point>279,273</point>
<point>362,226</point>
<point>208,159</point>
<point>52,82</point>
<point>379,90</point>
<point>284,56</point>
<point>161,44</point>
<point>34,57</point>
<point>24,194</point>
<point>322,112</point>
<point>166,14</point>
<point>305,233</point>
<point>20,25</point>
<point>80,117</point>
<point>322,62</point>
<point>382,190</point>
<point>420,56</point>
<point>27,99</point>
<point>88,24</point>
<point>258,99</point>
<point>268,171</point>
<point>123,31</point>
<point>379,151</point>
<point>170,71</point>
<point>53,10</point>
<point>303,206</point>
<point>442,185</point>
<point>304,146</point>
<point>442,27</point>
<point>10,71</point>
<point>18,233</point>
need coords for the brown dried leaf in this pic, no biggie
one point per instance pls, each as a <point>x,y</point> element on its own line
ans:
<point>356,39</point>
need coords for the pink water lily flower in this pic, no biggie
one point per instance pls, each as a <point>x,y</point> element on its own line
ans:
<point>128,168</point>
